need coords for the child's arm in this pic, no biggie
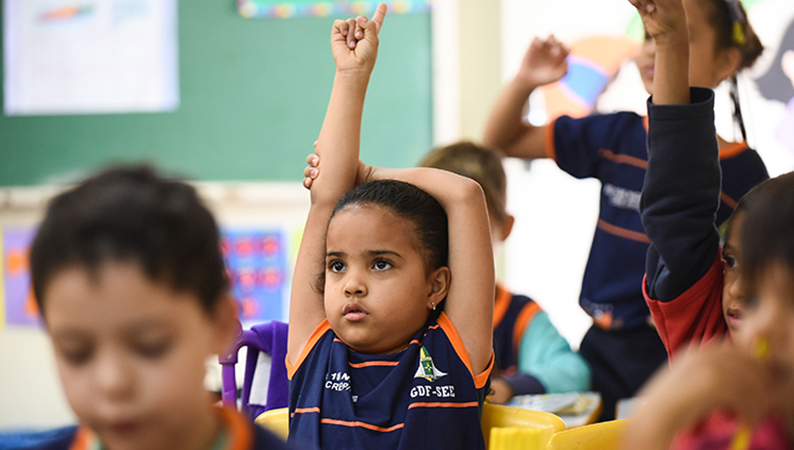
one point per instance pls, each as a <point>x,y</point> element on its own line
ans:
<point>715,377</point>
<point>682,184</point>
<point>543,63</point>
<point>469,302</point>
<point>354,44</point>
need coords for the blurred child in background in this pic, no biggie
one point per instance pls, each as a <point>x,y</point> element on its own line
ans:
<point>622,346</point>
<point>530,355</point>
<point>736,395</point>
<point>129,279</point>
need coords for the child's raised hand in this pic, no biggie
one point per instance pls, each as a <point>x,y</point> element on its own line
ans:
<point>662,17</point>
<point>354,42</point>
<point>544,62</point>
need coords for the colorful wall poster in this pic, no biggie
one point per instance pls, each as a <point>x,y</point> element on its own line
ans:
<point>285,9</point>
<point>256,262</point>
<point>90,56</point>
<point>18,300</point>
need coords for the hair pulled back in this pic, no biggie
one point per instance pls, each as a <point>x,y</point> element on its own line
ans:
<point>409,202</point>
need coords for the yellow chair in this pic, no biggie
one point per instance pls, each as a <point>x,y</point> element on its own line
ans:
<point>277,420</point>
<point>598,436</point>
<point>499,416</point>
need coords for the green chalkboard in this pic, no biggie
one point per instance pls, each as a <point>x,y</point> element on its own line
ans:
<point>253,95</point>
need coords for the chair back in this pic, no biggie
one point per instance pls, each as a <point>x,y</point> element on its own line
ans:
<point>499,416</point>
<point>598,436</point>
<point>271,388</point>
<point>275,420</point>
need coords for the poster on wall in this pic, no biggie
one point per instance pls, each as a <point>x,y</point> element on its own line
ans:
<point>256,262</point>
<point>284,9</point>
<point>90,56</point>
<point>18,302</point>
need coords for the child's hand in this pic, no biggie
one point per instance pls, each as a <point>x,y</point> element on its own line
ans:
<point>662,18</point>
<point>354,42</point>
<point>544,62</point>
<point>501,392</point>
<point>364,172</point>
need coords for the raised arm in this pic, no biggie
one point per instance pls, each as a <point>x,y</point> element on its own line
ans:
<point>543,63</point>
<point>469,302</point>
<point>355,45</point>
<point>682,183</point>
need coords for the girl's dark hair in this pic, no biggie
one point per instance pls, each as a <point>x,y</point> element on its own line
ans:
<point>132,214</point>
<point>767,235</point>
<point>410,202</point>
<point>407,201</point>
<point>733,30</point>
<point>774,84</point>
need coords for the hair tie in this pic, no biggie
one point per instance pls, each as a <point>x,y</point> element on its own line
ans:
<point>737,18</point>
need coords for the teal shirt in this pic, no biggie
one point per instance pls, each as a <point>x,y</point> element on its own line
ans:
<point>546,355</point>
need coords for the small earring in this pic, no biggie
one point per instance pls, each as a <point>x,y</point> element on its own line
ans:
<point>434,305</point>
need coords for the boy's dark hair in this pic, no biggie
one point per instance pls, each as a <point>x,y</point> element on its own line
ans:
<point>481,164</point>
<point>407,201</point>
<point>131,214</point>
<point>768,231</point>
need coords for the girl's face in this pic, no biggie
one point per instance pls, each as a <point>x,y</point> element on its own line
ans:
<point>770,316</point>
<point>378,292</point>
<point>708,64</point>
<point>131,356</point>
<point>734,295</point>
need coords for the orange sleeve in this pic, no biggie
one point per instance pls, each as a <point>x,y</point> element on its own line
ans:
<point>321,329</point>
<point>457,343</point>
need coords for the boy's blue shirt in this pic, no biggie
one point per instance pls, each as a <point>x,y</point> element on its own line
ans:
<point>612,148</point>
<point>423,397</point>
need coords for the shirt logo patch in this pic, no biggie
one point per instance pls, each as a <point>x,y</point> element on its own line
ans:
<point>427,369</point>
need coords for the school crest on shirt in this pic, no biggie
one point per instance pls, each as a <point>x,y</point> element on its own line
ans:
<point>427,369</point>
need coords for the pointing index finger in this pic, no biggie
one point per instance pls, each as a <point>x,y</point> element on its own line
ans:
<point>379,15</point>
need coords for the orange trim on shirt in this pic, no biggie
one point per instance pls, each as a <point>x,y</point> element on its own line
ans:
<point>241,433</point>
<point>460,349</point>
<point>734,149</point>
<point>551,152</point>
<point>623,232</point>
<point>622,159</point>
<point>443,405</point>
<point>645,123</point>
<point>82,439</point>
<point>724,198</point>
<point>316,335</point>
<point>501,305</point>
<point>526,315</point>
<point>368,426</point>
<point>314,409</point>
<point>372,363</point>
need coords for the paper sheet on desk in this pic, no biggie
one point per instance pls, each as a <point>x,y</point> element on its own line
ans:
<point>574,408</point>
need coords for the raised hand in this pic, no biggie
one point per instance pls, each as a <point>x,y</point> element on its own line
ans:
<point>662,17</point>
<point>544,62</point>
<point>354,42</point>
